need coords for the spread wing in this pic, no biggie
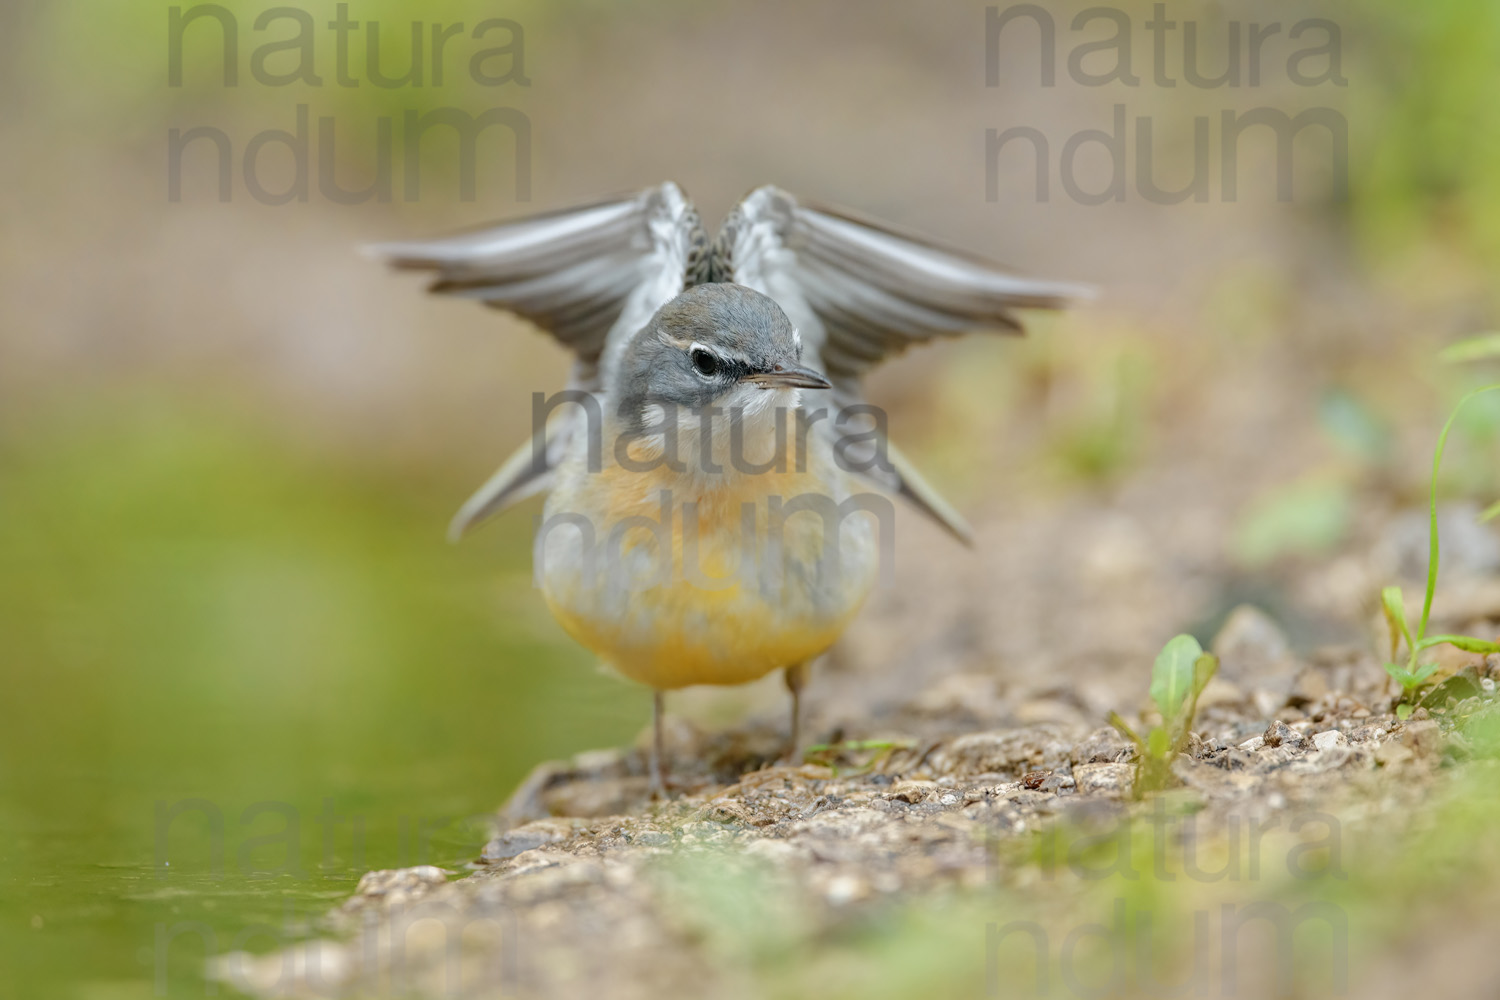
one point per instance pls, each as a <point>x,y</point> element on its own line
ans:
<point>588,276</point>
<point>860,292</point>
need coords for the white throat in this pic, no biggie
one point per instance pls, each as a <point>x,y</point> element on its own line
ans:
<point>748,431</point>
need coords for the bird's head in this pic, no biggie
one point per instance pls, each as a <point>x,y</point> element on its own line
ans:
<point>715,345</point>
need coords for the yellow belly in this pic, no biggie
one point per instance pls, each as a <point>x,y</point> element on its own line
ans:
<point>735,598</point>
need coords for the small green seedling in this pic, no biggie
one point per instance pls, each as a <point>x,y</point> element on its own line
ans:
<point>1181,673</point>
<point>1414,673</point>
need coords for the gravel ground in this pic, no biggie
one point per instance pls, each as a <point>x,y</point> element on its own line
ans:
<point>588,889</point>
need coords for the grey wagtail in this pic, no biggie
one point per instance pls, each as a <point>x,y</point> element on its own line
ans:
<point>694,530</point>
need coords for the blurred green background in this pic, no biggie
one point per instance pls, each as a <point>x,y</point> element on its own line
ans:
<point>229,445</point>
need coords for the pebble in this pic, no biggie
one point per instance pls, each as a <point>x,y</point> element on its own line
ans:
<point>844,889</point>
<point>1422,737</point>
<point>1104,779</point>
<point>1390,754</point>
<point>519,841</point>
<point>1278,734</point>
<point>1328,740</point>
<point>651,838</point>
<point>1102,746</point>
<point>391,880</point>
<point>1251,645</point>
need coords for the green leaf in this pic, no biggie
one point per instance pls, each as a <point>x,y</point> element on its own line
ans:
<point>1400,674</point>
<point>1490,513</point>
<point>1204,668</point>
<point>1486,345</point>
<point>1395,616</point>
<point>1409,679</point>
<point>1158,742</point>
<point>1172,676</point>
<point>1432,520</point>
<point>1403,712</point>
<point>1467,643</point>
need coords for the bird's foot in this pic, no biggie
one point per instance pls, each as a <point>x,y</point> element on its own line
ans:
<point>796,679</point>
<point>656,788</point>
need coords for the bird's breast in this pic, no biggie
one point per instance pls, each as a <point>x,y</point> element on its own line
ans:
<point>676,581</point>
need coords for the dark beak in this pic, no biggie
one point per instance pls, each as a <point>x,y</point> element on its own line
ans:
<point>789,377</point>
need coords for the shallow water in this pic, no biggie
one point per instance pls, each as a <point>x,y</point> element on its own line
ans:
<point>210,636</point>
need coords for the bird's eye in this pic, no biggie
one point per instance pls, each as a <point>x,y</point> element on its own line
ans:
<point>705,362</point>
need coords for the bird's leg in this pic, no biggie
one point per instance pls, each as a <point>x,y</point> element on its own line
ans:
<point>796,678</point>
<point>657,788</point>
